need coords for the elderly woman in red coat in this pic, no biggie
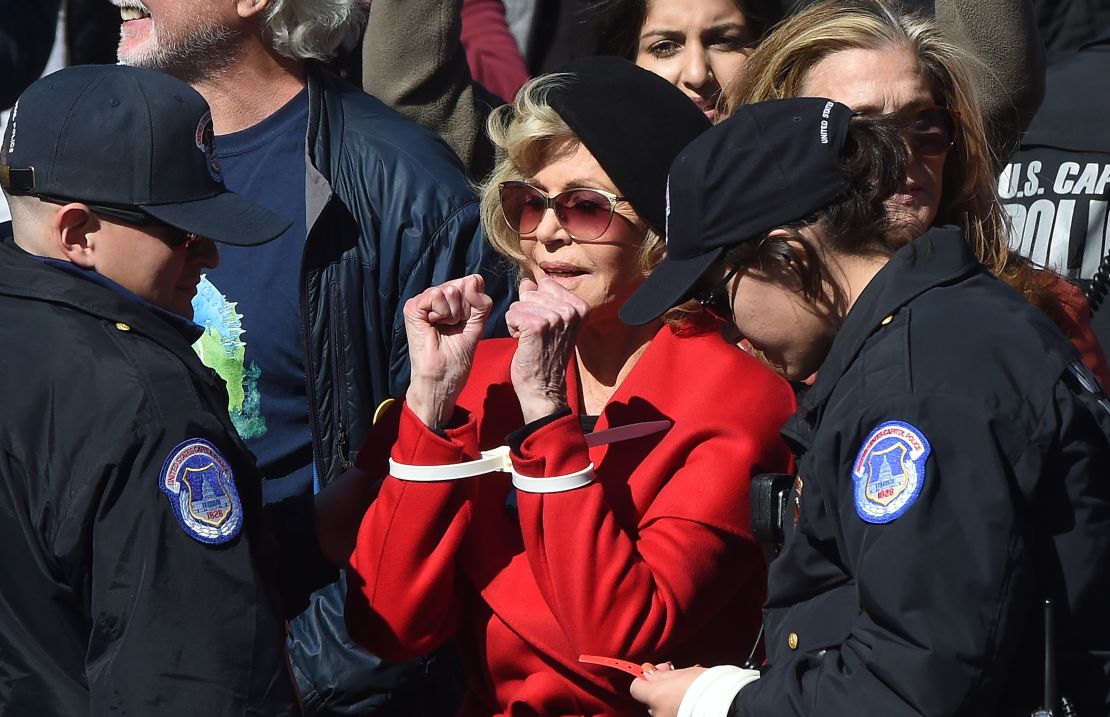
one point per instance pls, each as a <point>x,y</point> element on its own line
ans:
<point>580,487</point>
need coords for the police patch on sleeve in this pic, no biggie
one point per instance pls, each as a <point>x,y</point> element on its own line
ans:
<point>889,471</point>
<point>201,488</point>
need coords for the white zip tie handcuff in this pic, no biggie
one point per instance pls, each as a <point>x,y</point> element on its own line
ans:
<point>500,460</point>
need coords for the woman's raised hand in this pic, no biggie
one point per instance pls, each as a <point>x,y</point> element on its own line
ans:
<point>544,321</point>
<point>444,324</point>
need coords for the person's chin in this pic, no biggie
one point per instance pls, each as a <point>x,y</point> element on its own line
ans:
<point>913,214</point>
<point>136,55</point>
<point>182,302</point>
<point>769,358</point>
<point>138,47</point>
<point>185,311</point>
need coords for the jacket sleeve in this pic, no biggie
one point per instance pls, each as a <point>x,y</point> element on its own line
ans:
<point>178,626</point>
<point>401,596</point>
<point>638,591</point>
<point>491,50</point>
<point>413,60</point>
<point>303,568</point>
<point>944,589</point>
<point>1003,36</point>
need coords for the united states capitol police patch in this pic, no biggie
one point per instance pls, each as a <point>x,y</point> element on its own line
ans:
<point>889,471</point>
<point>201,488</point>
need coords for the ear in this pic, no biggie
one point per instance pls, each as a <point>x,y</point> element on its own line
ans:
<point>797,246</point>
<point>250,8</point>
<point>71,234</point>
<point>800,250</point>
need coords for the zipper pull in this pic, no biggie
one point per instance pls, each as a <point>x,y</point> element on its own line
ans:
<point>344,453</point>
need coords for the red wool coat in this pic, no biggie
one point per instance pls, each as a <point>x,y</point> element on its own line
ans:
<point>654,560</point>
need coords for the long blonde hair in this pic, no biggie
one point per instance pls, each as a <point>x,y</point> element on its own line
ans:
<point>781,65</point>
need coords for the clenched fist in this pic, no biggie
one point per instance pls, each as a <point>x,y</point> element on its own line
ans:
<point>443,324</point>
<point>545,322</point>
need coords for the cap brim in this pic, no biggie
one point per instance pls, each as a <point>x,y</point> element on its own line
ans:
<point>667,286</point>
<point>226,218</point>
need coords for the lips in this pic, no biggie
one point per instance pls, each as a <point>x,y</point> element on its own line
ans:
<point>561,270</point>
<point>907,195</point>
<point>708,105</point>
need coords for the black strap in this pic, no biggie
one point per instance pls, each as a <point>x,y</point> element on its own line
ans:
<point>19,180</point>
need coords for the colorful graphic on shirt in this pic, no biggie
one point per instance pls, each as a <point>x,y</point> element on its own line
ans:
<point>222,349</point>
<point>889,471</point>
<point>201,488</point>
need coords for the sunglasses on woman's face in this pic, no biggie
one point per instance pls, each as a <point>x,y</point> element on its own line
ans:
<point>931,130</point>
<point>585,214</point>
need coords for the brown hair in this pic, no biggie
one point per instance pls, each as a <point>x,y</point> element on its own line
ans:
<point>781,65</point>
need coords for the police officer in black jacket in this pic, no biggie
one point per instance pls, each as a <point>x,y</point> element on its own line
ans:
<point>953,454</point>
<point>139,576</point>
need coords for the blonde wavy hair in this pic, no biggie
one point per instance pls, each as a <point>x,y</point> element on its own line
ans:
<point>781,65</point>
<point>528,135</point>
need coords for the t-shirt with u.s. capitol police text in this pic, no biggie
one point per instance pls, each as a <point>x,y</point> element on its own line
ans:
<point>1056,188</point>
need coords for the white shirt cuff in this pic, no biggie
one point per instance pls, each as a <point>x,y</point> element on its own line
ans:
<point>712,693</point>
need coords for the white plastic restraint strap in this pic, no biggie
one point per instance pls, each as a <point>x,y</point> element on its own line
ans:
<point>499,459</point>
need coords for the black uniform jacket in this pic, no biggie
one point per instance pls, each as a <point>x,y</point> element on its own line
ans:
<point>986,489</point>
<point>108,605</point>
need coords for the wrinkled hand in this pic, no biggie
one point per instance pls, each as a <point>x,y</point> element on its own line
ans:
<point>662,688</point>
<point>443,324</point>
<point>545,322</point>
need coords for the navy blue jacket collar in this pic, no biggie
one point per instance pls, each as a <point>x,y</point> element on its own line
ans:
<point>938,257</point>
<point>191,331</point>
<point>185,327</point>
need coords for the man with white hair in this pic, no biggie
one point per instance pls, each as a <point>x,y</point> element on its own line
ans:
<point>308,331</point>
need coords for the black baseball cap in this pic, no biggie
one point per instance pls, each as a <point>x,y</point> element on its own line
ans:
<point>770,164</point>
<point>127,138</point>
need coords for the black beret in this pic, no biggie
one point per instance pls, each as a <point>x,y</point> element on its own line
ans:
<point>633,122</point>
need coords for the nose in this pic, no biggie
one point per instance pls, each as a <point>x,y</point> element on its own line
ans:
<point>550,230</point>
<point>697,73</point>
<point>206,254</point>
